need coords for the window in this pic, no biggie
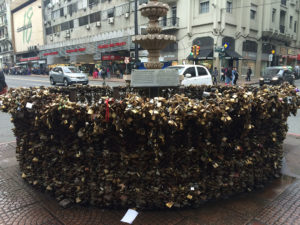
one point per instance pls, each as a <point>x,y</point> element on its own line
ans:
<point>204,6</point>
<point>49,30</point>
<point>55,14</point>
<point>295,26</point>
<point>93,2</point>
<point>201,71</point>
<point>56,28</point>
<point>229,6</point>
<point>62,12</point>
<point>291,22</point>
<point>253,12</point>
<point>83,20</point>
<point>143,1</point>
<point>283,2</point>
<point>111,13</point>
<point>72,8</point>
<point>65,26</point>
<point>273,15</point>
<point>191,71</point>
<point>94,17</point>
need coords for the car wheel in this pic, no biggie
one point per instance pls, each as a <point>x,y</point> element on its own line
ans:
<point>66,83</point>
<point>52,81</point>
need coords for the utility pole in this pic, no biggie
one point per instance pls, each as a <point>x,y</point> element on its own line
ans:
<point>136,31</point>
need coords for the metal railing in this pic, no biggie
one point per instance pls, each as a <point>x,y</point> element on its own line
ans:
<point>169,22</point>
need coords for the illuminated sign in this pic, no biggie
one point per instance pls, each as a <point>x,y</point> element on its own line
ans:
<point>50,53</point>
<point>76,50</point>
<point>29,59</point>
<point>118,44</point>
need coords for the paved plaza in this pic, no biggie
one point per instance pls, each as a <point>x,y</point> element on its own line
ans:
<point>277,203</point>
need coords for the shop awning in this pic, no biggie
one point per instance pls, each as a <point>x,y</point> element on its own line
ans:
<point>203,54</point>
<point>231,54</point>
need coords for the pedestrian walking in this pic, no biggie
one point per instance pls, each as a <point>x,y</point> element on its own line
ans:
<point>215,76</point>
<point>236,76</point>
<point>103,74</point>
<point>108,72</point>
<point>223,74</point>
<point>249,72</point>
<point>233,75</point>
<point>228,76</point>
<point>3,85</point>
<point>95,73</point>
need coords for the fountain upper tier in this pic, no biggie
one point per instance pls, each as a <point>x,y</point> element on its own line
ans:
<point>154,9</point>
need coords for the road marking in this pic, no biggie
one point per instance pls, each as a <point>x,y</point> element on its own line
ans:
<point>5,143</point>
<point>7,78</point>
<point>293,134</point>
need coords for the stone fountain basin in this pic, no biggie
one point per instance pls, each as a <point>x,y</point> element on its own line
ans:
<point>154,41</point>
<point>154,9</point>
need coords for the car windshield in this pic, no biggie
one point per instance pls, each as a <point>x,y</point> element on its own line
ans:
<point>71,70</point>
<point>271,72</point>
<point>179,68</point>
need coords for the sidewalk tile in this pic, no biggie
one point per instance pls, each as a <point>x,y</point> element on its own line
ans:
<point>159,217</point>
<point>32,214</point>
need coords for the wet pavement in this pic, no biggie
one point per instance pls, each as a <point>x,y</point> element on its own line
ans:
<point>277,203</point>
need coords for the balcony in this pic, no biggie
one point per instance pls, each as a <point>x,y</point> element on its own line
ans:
<point>282,29</point>
<point>171,23</point>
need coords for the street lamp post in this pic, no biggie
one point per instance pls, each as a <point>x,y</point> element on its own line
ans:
<point>136,32</point>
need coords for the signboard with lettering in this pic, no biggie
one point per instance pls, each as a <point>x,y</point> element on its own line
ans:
<point>28,26</point>
<point>155,78</point>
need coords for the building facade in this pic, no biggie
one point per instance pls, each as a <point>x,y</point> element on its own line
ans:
<point>250,29</point>
<point>256,33</point>
<point>6,48</point>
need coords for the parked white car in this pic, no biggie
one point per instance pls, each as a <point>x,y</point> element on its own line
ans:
<point>193,74</point>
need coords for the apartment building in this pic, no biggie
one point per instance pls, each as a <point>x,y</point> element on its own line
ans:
<point>6,48</point>
<point>251,29</point>
<point>100,31</point>
<point>88,32</point>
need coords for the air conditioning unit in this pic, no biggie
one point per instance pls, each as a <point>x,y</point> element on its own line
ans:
<point>127,15</point>
<point>68,32</point>
<point>51,38</point>
<point>87,27</point>
<point>111,20</point>
<point>45,22</point>
<point>67,35</point>
<point>57,34</point>
<point>98,24</point>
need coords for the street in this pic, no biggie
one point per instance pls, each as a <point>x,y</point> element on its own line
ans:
<point>6,134</point>
<point>14,81</point>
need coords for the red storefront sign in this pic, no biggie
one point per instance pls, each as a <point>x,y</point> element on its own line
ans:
<point>298,57</point>
<point>112,57</point>
<point>50,53</point>
<point>29,59</point>
<point>76,50</point>
<point>112,45</point>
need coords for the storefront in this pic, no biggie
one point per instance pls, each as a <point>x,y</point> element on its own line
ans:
<point>249,57</point>
<point>291,57</point>
<point>231,56</point>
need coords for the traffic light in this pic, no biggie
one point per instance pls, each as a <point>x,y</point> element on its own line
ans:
<point>197,49</point>
<point>192,51</point>
<point>273,51</point>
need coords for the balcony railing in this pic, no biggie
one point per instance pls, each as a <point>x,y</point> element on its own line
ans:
<point>169,22</point>
<point>282,29</point>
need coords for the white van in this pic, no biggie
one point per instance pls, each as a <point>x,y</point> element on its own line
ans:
<point>193,74</point>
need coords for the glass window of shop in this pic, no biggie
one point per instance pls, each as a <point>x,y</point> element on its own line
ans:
<point>249,54</point>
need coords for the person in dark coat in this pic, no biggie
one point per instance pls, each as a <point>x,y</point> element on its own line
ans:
<point>249,72</point>
<point>3,85</point>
